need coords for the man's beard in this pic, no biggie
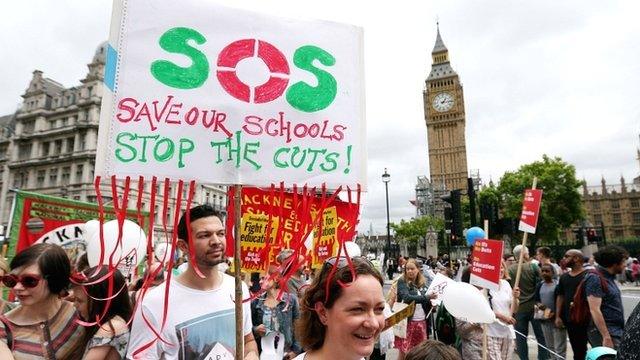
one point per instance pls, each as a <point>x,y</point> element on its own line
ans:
<point>204,262</point>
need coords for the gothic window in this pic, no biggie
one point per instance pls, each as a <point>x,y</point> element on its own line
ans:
<point>618,233</point>
<point>595,205</point>
<point>636,218</point>
<point>615,204</point>
<point>617,219</point>
<point>635,203</point>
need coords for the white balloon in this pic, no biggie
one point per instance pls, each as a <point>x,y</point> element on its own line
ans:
<point>132,249</point>
<point>465,302</point>
<point>90,228</point>
<point>352,249</point>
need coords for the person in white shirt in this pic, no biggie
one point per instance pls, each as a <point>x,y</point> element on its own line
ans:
<point>504,303</point>
<point>199,321</point>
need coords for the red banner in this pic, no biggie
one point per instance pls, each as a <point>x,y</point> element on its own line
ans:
<point>530,210</point>
<point>290,219</point>
<point>485,263</point>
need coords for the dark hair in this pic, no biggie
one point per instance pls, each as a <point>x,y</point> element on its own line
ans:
<point>432,350</point>
<point>309,330</point>
<point>120,305</point>
<point>610,255</point>
<point>506,256</point>
<point>82,262</point>
<point>195,213</point>
<point>545,251</point>
<point>547,266</point>
<point>53,263</point>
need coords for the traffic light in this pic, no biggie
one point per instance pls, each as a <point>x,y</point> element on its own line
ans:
<point>453,198</point>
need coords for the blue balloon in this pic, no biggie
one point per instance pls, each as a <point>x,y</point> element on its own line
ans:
<point>473,234</point>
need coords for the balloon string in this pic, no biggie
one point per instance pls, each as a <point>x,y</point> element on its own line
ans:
<point>540,345</point>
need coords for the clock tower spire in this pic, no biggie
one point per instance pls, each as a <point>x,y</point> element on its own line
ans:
<point>445,119</point>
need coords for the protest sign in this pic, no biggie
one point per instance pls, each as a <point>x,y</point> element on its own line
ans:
<point>289,228</point>
<point>530,210</point>
<point>197,91</point>
<point>485,263</point>
<point>401,313</point>
<point>437,286</point>
<point>43,218</point>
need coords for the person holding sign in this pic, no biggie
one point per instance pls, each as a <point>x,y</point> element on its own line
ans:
<point>504,303</point>
<point>276,311</point>
<point>341,315</point>
<point>199,317</point>
<point>412,287</point>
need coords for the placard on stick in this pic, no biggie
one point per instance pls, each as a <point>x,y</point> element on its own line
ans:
<point>485,265</point>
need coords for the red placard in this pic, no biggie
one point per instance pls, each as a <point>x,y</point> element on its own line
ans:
<point>530,210</point>
<point>485,263</point>
<point>292,218</point>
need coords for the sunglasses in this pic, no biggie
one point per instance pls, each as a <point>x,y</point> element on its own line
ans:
<point>28,280</point>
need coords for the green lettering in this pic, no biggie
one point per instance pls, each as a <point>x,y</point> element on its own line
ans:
<point>305,97</point>
<point>253,150</point>
<point>184,149</point>
<point>330,158</point>
<point>168,153</point>
<point>119,151</point>
<point>276,161</point>
<point>176,41</point>
<point>296,151</point>
<point>143,157</point>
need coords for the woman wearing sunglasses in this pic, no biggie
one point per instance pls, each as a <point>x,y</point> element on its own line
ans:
<point>43,325</point>
<point>341,311</point>
<point>103,298</point>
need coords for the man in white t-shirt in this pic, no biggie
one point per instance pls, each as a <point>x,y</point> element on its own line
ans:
<point>199,322</point>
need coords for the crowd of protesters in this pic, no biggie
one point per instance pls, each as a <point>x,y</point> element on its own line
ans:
<point>73,311</point>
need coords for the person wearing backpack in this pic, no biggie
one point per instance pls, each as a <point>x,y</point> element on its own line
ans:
<point>604,297</point>
<point>566,290</point>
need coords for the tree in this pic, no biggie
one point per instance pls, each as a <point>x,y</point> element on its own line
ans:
<point>415,230</point>
<point>561,201</point>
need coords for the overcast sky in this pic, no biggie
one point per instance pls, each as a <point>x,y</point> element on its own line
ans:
<point>554,77</point>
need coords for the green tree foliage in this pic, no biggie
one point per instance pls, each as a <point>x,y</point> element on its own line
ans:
<point>415,230</point>
<point>561,201</point>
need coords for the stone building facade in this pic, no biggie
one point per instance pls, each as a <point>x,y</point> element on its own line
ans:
<point>49,145</point>
<point>617,207</point>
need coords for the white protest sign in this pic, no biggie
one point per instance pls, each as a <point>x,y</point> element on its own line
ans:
<point>437,286</point>
<point>197,91</point>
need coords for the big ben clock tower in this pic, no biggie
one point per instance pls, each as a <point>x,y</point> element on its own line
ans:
<point>445,119</point>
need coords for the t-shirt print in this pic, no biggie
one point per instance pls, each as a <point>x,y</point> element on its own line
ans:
<point>208,337</point>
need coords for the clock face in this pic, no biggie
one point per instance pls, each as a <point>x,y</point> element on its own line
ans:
<point>443,102</point>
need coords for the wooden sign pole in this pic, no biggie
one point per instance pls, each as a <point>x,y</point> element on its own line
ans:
<point>484,292</point>
<point>524,244</point>
<point>237,267</point>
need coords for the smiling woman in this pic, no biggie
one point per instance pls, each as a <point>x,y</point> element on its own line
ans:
<point>341,316</point>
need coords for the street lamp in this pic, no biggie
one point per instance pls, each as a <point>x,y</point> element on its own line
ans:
<point>385,179</point>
